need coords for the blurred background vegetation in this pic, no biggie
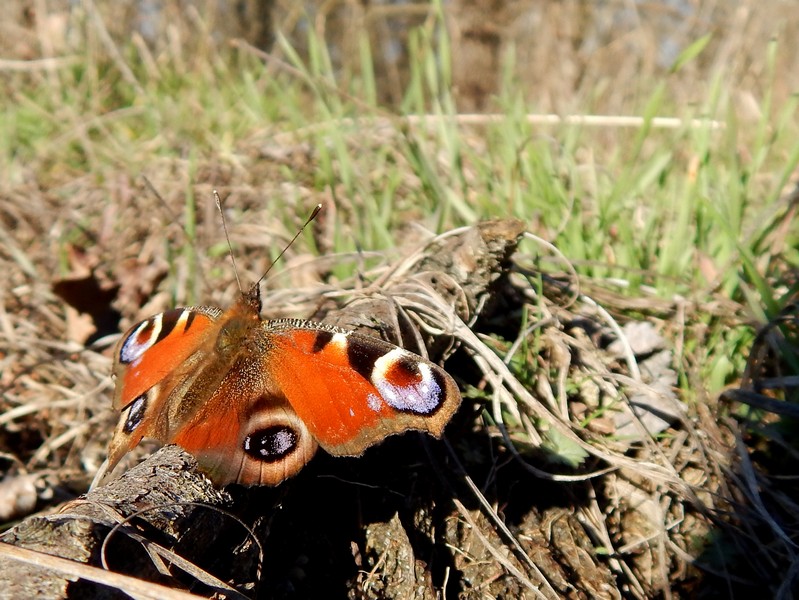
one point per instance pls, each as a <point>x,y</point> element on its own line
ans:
<point>605,57</point>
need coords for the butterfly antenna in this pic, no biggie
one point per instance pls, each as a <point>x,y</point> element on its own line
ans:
<point>296,235</point>
<point>227,238</point>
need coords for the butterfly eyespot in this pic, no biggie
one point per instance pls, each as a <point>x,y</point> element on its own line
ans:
<point>135,414</point>
<point>139,339</point>
<point>272,443</point>
<point>408,385</point>
<point>149,332</point>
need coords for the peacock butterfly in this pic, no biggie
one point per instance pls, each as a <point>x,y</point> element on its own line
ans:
<point>252,399</point>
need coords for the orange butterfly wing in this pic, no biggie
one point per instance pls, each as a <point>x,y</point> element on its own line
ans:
<point>301,384</point>
<point>352,391</point>
<point>178,333</point>
<point>147,379</point>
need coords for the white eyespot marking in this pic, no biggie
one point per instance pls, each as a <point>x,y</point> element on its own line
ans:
<point>339,340</point>
<point>418,391</point>
<point>134,347</point>
<point>374,402</point>
<point>284,441</point>
<point>272,443</point>
<point>135,414</point>
<point>182,319</point>
<point>352,412</point>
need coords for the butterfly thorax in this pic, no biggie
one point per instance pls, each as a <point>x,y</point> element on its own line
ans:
<point>169,365</point>
<point>238,325</point>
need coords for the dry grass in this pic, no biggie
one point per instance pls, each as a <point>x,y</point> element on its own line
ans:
<point>555,454</point>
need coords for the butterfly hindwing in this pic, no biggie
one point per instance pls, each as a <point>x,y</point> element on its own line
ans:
<point>247,434</point>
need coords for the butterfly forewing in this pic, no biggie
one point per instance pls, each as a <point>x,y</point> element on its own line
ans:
<point>352,391</point>
<point>153,349</point>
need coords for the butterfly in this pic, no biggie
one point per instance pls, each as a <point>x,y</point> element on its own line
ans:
<point>252,399</point>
